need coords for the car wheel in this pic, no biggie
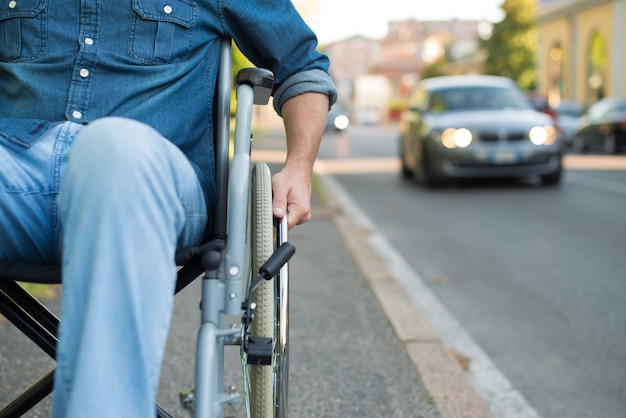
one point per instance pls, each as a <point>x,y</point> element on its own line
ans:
<point>579,144</point>
<point>405,172</point>
<point>553,178</point>
<point>610,143</point>
<point>429,178</point>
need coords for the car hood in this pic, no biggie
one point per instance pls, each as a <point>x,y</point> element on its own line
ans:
<point>490,119</point>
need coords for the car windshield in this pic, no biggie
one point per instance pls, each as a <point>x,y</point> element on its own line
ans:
<point>569,109</point>
<point>620,106</point>
<point>475,98</point>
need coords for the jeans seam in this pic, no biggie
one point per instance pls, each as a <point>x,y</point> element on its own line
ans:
<point>62,145</point>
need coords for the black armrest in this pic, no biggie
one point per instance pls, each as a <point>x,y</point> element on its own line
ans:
<point>261,80</point>
<point>33,273</point>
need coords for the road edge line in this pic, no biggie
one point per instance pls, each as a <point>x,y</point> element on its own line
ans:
<point>486,391</point>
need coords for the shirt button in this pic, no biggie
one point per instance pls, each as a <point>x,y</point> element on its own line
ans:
<point>12,4</point>
<point>167,9</point>
<point>88,41</point>
<point>84,73</point>
<point>76,114</point>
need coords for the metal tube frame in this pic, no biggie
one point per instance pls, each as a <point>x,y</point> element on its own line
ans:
<point>281,333</point>
<point>221,289</point>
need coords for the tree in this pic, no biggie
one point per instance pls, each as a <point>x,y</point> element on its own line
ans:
<point>439,67</point>
<point>239,60</point>
<point>512,46</point>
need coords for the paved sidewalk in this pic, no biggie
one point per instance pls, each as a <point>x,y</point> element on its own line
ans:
<point>441,371</point>
<point>345,360</point>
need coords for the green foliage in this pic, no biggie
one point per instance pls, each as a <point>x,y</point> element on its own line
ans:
<point>439,67</point>
<point>512,47</point>
<point>41,291</point>
<point>239,60</point>
<point>598,52</point>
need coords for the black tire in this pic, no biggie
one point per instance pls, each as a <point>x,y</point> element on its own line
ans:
<point>405,172</point>
<point>610,143</point>
<point>552,179</point>
<point>429,179</point>
<point>578,145</point>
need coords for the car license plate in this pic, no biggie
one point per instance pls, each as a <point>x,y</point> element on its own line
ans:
<point>503,157</point>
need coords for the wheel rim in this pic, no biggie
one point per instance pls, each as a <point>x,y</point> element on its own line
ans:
<point>281,348</point>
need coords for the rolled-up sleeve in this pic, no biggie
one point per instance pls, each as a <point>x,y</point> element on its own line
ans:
<point>316,81</point>
<point>273,35</point>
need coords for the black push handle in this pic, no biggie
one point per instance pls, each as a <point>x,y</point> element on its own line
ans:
<point>273,264</point>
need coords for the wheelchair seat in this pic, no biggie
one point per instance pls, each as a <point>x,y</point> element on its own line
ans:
<point>51,274</point>
<point>30,273</point>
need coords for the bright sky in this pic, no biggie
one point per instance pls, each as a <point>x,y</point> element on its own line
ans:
<point>334,20</point>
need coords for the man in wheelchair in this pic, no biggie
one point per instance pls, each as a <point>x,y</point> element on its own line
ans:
<point>107,166</point>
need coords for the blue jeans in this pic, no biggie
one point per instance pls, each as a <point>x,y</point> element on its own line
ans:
<point>111,202</point>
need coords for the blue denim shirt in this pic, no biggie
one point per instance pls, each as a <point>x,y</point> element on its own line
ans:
<point>150,60</point>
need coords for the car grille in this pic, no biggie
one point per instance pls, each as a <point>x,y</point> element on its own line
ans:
<point>540,159</point>
<point>496,136</point>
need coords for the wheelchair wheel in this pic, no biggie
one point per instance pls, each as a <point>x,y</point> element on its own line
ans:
<point>267,383</point>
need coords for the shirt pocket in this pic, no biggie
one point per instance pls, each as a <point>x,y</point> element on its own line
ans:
<point>161,30</point>
<point>23,26</point>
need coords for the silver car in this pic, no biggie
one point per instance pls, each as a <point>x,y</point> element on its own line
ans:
<point>475,126</point>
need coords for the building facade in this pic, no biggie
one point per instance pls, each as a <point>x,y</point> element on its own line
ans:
<point>582,50</point>
<point>379,73</point>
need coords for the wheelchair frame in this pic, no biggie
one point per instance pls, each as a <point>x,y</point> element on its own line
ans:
<point>224,262</point>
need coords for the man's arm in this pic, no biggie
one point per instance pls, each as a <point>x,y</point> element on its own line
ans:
<point>305,118</point>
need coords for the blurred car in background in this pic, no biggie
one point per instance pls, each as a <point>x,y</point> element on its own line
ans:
<point>338,119</point>
<point>540,104</point>
<point>603,127</point>
<point>476,126</point>
<point>367,115</point>
<point>567,115</point>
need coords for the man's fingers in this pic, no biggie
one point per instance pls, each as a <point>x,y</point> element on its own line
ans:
<point>291,197</point>
<point>298,215</point>
<point>278,212</point>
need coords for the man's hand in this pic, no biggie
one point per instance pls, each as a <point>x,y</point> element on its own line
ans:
<point>305,118</point>
<point>292,195</point>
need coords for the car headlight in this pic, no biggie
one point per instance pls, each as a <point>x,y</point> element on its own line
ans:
<point>542,135</point>
<point>453,138</point>
<point>341,122</point>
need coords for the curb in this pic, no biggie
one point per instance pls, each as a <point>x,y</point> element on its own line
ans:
<point>441,371</point>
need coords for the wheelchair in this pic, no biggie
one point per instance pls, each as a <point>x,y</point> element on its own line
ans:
<point>243,266</point>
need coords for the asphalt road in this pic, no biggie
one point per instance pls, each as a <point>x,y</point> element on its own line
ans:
<point>535,275</point>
